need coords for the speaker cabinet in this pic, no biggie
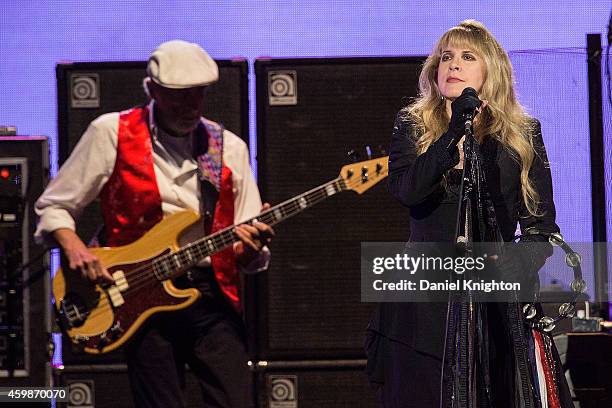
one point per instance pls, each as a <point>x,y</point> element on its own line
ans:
<point>314,384</point>
<point>310,112</point>
<point>87,90</point>
<point>108,386</point>
<point>590,368</point>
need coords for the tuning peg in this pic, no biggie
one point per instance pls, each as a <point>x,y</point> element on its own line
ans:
<point>382,150</point>
<point>368,152</point>
<point>353,156</point>
<point>365,174</point>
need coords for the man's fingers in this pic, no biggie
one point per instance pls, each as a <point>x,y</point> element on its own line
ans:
<point>83,271</point>
<point>245,237</point>
<point>77,264</point>
<point>107,276</point>
<point>91,271</point>
<point>102,273</point>
<point>258,230</point>
<point>90,268</point>
<point>258,233</point>
<point>249,229</point>
<point>265,229</point>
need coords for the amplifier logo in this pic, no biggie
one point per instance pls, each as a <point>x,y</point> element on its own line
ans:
<point>81,394</point>
<point>85,91</point>
<point>282,391</point>
<point>282,88</point>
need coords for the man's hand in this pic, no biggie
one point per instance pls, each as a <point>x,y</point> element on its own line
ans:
<point>252,239</point>
<point>80,258</point>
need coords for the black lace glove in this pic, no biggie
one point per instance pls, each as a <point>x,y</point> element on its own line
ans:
<point>466,103</point>
<point>446,146</point>
<point>515,266</point>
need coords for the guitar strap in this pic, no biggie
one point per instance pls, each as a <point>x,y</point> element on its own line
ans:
<point>208,191</point>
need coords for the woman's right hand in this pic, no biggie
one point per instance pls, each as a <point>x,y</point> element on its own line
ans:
<point>80,257</point>
<point>460,107</point>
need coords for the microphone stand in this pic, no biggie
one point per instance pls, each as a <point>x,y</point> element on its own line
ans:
<point>464,317</point>
<point>463,226</point>
<point>465,364</point>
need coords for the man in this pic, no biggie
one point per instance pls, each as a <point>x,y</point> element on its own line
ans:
<point>149,162</point>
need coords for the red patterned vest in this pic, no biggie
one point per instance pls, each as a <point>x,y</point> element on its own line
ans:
<point>131,202</point>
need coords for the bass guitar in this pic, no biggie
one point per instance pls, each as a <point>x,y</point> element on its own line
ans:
<point>101,317</point>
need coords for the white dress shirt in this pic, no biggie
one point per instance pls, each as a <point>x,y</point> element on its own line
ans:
<point>92,162</point>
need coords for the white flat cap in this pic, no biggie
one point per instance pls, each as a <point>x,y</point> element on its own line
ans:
<point>178,64</point>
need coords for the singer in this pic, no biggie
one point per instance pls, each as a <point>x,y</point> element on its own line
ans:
<point>467,76</point>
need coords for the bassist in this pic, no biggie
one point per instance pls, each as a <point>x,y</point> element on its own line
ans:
<point>149,162</point>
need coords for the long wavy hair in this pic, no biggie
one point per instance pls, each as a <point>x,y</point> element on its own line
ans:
<point>503,118</point>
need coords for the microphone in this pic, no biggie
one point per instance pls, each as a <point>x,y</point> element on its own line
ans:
<point>469,113</point>
<point>469,116</point>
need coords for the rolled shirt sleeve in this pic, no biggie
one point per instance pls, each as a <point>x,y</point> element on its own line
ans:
<point>79,180</point>
<point>247,201</point>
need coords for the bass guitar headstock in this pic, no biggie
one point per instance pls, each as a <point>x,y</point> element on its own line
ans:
<point>362,176</point>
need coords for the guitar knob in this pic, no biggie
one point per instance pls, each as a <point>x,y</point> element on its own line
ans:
<point>116,330</point>
<point>103,341</point>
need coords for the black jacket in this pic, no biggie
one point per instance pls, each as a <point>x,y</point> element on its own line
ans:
<point>416,181</point>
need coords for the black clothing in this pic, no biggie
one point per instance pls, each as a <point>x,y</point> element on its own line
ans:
<point>415,182</point>
<point>209,336</point>
<point>423,378</point>
<point>426,185</point>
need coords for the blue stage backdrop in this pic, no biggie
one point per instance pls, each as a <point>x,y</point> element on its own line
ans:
<point>552,82</point>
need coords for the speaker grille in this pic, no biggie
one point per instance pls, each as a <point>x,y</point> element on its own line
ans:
<point>315,387</point>
<point>120,87</point>
<point>311,294</point>
<point>109,386</point>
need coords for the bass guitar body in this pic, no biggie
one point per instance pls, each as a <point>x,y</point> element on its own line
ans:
<point>100,318</point>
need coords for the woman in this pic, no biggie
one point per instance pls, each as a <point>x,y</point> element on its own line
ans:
<point>406,349</point>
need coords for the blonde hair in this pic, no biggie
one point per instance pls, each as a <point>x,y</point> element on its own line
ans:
<point>504,118</point>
